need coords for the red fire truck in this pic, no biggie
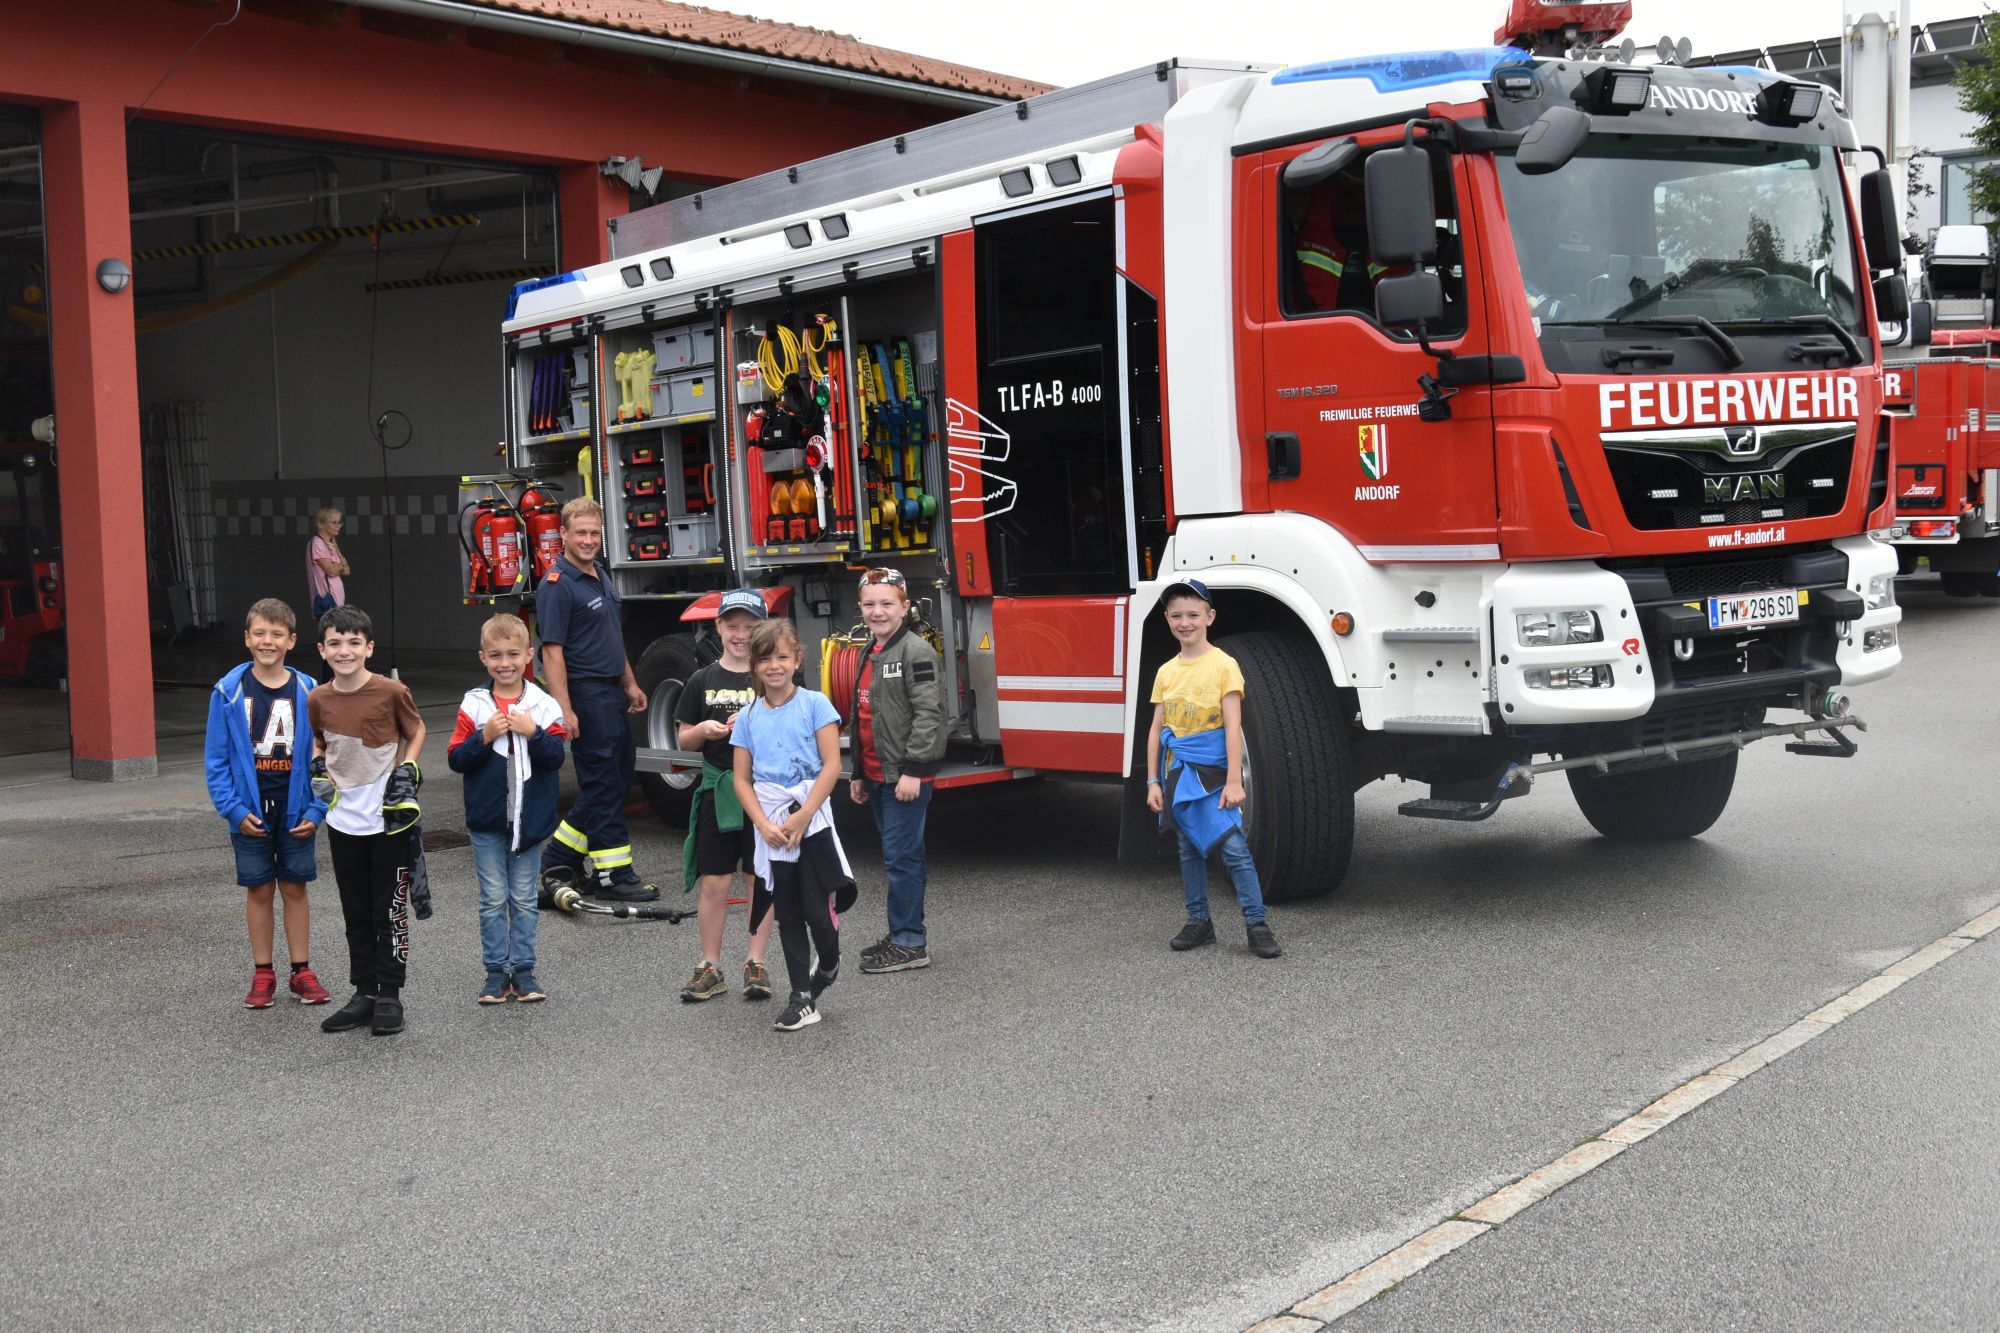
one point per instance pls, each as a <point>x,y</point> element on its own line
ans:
<point>1945,425</point>
<point>1944,417</point>
<point>1522,413</point>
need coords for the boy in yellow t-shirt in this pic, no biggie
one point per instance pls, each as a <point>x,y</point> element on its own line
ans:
<point>1198,716</point>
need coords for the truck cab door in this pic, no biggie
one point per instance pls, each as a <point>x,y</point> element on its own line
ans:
<point>1338,399</point>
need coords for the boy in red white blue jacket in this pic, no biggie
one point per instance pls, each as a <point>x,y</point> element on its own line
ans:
<point>508,745</point>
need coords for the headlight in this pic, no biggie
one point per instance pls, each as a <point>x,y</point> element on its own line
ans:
<point>1568,678</point>
<point>1881,591</point>
<point>1544,629</point>
<point>1875,640</point>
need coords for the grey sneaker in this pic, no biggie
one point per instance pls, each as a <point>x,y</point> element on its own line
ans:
<point>1262,942</point>
<point>705,984</point>
<point>1193,935</point>
<point>896,958</point>
<point>874,951</point>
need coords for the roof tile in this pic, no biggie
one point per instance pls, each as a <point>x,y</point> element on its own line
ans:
<point>786,41</point>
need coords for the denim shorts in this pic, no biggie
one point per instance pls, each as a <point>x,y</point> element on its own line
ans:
<point>278,856</point>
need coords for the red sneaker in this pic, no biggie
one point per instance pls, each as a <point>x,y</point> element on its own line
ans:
<point>263,989</point>
<point>306,986</point>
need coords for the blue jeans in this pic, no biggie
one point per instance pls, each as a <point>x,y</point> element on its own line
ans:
<point>1235,849</point>
<point>901,824</point>
<point>508,912</point>
<point>277,855</point>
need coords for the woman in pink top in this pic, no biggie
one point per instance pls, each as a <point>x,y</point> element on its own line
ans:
<point>325,564</point>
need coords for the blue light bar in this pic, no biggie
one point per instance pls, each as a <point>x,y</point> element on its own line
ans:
<point>1412,69</point>
<point>535,285</point>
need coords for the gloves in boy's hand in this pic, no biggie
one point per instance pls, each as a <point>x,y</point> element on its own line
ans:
<point>323,789</point>
<point>420,880</point>
<point>399,798</point>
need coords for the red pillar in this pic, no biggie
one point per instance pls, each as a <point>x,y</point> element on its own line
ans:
<point>587,200</point>
<point>96,368</point>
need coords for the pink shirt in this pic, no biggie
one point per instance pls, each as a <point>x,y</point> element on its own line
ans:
<point>322,583</point>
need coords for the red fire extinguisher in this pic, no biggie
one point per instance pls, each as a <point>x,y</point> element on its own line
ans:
<point>543,517</point>
<point>494,551</point>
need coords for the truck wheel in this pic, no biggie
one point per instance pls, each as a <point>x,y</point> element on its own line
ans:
<point>1655,804</point>
<point>1299,817</point>
<point>1960,583</point>
<point>661,671</point>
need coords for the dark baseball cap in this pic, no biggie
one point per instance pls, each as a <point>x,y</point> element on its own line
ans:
<point>743,599</point>
<point>1192,587</point>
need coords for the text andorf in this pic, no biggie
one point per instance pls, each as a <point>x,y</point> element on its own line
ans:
<point>1721,402</point>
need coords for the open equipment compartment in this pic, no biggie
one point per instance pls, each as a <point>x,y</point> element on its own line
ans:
<point>550,375</point>
<point>658,474</point>
<point>792,401</point>
<point>894,332</point>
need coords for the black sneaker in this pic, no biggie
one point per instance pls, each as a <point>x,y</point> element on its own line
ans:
<point>356,1013</point>
<point>821,980</point>
<point>628,891</point>
<point>1193,935</point>
<point>388,1017</point>
<point>1262,942</point>
<point>874,951</point>
<point>896,958</point>
<point>800,1013</point>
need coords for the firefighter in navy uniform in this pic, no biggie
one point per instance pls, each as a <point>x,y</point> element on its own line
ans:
<point>584,663</point>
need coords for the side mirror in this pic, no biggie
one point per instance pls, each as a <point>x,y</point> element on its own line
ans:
<point>1402,210</point>
<point>1922,320</point>
<point>1549,143</point>
<point>1892,299</point>
<point>1880,226</point>
<point>1320,164</point>
<point>1412,301</point>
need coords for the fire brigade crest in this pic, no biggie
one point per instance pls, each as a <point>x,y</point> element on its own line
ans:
<point>1375,451</point>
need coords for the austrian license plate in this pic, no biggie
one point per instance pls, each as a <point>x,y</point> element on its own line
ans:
<point>1777,607</point>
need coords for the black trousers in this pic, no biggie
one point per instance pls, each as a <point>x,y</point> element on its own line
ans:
<point>373,873</point>
<point>606,760</point>
<point>803,901</point>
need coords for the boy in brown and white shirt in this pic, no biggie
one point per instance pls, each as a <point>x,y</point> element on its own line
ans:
<point>366,736</point>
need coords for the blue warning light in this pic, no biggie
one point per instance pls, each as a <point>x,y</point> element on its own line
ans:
<point>1412,69</point>
<point>536,284</point>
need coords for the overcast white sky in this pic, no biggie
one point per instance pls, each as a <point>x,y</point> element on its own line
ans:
<point>1074,41</point>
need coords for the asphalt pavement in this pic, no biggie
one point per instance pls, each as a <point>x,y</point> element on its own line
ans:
<point>1059,1124</point>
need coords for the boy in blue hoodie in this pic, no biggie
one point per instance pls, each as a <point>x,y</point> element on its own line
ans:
<point>259,742</point>
<point>508,744</point>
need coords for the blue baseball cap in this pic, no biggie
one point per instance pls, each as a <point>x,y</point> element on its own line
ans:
<point>743,599</point>
<point>1193,586</point>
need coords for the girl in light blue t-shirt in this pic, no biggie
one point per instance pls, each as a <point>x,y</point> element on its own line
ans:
<point>787,763</point>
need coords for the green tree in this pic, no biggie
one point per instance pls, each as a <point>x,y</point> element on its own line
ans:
<point>1978,85</point>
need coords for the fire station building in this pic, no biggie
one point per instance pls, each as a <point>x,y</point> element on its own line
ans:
<point>254,255</point>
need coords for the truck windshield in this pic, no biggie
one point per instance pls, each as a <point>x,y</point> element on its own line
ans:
<point>1644,228</point>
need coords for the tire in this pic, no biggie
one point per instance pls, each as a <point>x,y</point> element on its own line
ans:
<point>1960,583</point>
<point>1655,804</point>
<point>661,671</point>
<point>1299,817</point>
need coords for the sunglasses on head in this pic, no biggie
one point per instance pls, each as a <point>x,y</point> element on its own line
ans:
<point>892,577</point>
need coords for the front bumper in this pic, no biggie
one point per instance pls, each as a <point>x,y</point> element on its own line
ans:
<point>1657,658</point>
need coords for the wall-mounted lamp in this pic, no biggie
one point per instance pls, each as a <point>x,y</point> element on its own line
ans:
<point>114,276</point>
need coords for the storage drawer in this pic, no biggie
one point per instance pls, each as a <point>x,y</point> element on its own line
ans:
<point>691,537</point>
<point>678,349</point>
<point>684,394</point>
